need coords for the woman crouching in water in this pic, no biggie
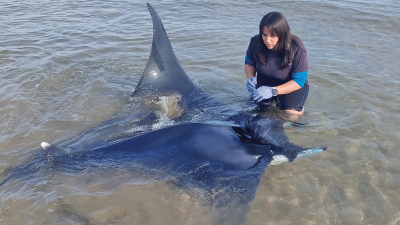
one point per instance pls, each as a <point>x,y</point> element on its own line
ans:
<point>279,59</point>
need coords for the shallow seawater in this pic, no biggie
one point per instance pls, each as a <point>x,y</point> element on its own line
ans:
<point>67,66</point>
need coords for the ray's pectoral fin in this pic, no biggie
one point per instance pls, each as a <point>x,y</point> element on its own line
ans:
<point>163,82</point>
<point>163,73</point>
<point>283,158</point>
<point>52,150</point>
<point>311,151</point>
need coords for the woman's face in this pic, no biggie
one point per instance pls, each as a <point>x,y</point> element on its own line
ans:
<point>269,39</point>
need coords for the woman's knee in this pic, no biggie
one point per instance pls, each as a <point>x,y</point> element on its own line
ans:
<point>294,112</point>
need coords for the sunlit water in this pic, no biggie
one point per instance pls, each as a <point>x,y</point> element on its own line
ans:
<point>66,66</point>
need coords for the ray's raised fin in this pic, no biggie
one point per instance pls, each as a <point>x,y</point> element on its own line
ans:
<point>163,73</point>
<point>52,150</point>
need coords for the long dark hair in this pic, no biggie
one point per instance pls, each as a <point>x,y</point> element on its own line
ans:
<point>277,25</point>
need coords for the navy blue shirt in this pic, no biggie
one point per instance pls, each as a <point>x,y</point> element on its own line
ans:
<point>272,74</point>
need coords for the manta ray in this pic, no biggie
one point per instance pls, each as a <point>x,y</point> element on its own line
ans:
<point>225,161</point>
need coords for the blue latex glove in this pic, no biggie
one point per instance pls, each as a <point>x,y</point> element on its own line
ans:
<point>261,93</point>
<point>251,85</point>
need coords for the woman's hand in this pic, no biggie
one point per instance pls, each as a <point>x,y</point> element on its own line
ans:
<point>251,85</point>
<point>261,93</point>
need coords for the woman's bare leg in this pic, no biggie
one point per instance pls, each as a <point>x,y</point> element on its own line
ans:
<point>294,115</point>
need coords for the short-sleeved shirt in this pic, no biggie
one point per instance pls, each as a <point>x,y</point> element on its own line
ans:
<point>272,74</point>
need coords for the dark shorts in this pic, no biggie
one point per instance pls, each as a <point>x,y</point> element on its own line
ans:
<point>293,101</point>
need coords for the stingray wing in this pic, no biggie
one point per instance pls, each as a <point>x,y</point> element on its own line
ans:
<point>163,73</point>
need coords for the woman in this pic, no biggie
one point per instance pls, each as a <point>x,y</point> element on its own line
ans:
<point>280,60</point>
